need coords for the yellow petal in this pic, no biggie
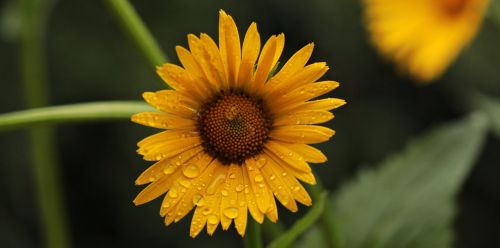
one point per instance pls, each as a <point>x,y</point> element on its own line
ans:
<point>171,102</point>
<point>307,75</point>
<point>279,188</point>
<point>302,94</point>
<point>204,205</point>
<point>186,185</point>
<point>305,117</point>
<point>179,79</point>
<point>190,64</point>
<point>213,57</point>
<point>229,202</point>
<point>306,134</point>
<point>166,166</point>
<point>240,221</point>
<point>284,174</point>
<point>251,49</point>
<point>202,58</point>
<point>265,65</point>
<point>250,198</point>
<point>316,105</point>
<point>307,177</point>
<point>166,136</point>
<point>163,121</point>
<point>309,153</point>
<point>259,187</point>
<point>291,67</point>
<point>288,156</point>
<point>155,189</point>
<point>229,44</point>
<point>157,152</point>
<point>272,212</point>
<point>280,44</point>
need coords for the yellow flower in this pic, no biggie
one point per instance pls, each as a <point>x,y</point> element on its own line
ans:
<point>235,136</point>
<point>423,37</point>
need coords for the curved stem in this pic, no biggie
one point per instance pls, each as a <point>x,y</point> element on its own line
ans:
<point>35,14</point>
<point>83,112</point>
<point>327,222</point>
<point>253,238</point>
<point>133,25</point>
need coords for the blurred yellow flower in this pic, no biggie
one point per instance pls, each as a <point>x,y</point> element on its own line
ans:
<point>235,136</point>
<point>423,37</point>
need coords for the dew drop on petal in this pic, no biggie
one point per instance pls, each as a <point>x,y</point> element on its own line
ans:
<point>206,211</point>
<point>212,219</point>
<point>230,212</point>
<point>191,170</point>
<point>258,178</point>
<point>169,170</point>
<point>239,188</point>
<point>172,193</point>
<point>184,182</point>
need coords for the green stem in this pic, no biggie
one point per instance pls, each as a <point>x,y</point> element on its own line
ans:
<point>272,230</point>
<point>253,238</point>
<point>82,112</point>
<point>494,12</point>
<point>133,25</point>
<point>35,14</point>
<point>327,221</point>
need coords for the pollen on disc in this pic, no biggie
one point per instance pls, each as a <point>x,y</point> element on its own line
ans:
<point>234,126</point>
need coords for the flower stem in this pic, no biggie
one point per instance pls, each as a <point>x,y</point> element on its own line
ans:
<point>494,12</point>
<point>82,112</point>
<point>133,25</point>
<point>253,237</point>
<point>35,14</point>
<point>327,221</point>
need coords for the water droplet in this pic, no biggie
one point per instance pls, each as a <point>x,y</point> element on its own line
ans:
<point>232,176</point>
<point>258,178</point>
<point>247,190</point>
<point>151,179</point>
<point>169,169</point>
<point>215,183</point>
<point>272,177</point>
<point>172,193</point>
<point>166,205</point>
<point>239,188</point>
<point>212,219</point>
<point>224,192</point>
<point>284,174</point>
<point>296,188</point>
<point>231,212</point>
<point>206,211</point>
<point>261,185</point>
<point>186,183</point>
<point>191,170</point>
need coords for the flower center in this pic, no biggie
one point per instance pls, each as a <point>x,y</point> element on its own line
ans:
<point>453,7</point>
<point>233,126</point>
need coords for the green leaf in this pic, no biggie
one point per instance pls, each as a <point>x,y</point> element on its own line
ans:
<point>82,112</point>
<point>301,225</point>
<point>409,201</point>
<point>313,238</point>
<point>491,107</point>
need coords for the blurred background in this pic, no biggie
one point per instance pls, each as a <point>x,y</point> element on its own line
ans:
<point>89,58</point>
